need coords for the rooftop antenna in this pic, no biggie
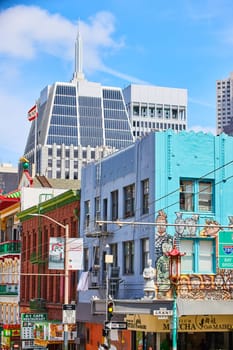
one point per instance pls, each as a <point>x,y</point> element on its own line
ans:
<point>78,71</point>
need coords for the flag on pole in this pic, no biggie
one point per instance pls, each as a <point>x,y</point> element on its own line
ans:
<point>32,113</point>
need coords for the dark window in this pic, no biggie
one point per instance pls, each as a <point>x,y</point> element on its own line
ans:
<point>129,200</point>
<point>145,252</point>
<point>114,200</point>
<point>128,248</point>
<point>145,196</point>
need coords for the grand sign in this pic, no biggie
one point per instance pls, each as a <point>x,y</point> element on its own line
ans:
<point>201,323</point>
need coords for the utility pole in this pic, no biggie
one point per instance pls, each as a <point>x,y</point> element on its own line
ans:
<point>108,261</point>
<point>66,271</point>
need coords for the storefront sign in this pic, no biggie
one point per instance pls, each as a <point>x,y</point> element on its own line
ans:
<point>33,317</point>
<point>212,323</point>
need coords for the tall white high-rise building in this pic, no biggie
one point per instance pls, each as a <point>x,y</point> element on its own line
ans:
<point>224,104</point>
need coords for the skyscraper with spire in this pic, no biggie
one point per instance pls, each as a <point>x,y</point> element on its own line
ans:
<point>78,121</point>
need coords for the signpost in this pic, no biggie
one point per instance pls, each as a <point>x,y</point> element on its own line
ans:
<point>69,314</point>
<point>225,249</point>
<point>115,325</point>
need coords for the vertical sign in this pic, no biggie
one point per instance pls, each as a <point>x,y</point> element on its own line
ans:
<point>225,249</point>
<point>56,253</point>
<point>75,253</point>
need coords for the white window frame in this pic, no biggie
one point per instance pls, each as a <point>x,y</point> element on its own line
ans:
<point>200,255</point>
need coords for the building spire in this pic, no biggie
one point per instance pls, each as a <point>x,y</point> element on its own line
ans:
<point>78,71</point>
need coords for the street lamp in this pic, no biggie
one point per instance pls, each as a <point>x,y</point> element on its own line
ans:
<point>174,270</point>
<point>66,292</point>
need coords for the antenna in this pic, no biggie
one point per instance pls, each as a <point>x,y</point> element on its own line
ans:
<point>78,72</point>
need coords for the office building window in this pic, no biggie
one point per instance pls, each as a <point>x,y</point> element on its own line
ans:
<point>135,110</point>
<point>144,111</point>
<point>199,256</point>
<point>87,213</point>
<point>114,201</point>
<point>145,252</point>
<point>151,112</point>
<point>167,112</point>
<point>128,248</point>
<point>129,200</point>
<point>145,196</point>
<point>196,195</point>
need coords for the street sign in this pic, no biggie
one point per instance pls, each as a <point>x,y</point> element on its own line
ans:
<point>225,249</point>
<point>69,314</point>
<point>34,317</point>
<point>163,312</point>
<point>115,325</point>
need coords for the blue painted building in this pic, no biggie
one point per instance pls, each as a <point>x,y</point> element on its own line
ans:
<point>166,189</point>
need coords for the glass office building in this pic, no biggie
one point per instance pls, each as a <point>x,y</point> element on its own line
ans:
<point>77,122</point>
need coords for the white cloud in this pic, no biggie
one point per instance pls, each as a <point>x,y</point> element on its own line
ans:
<point>205,129</point>
<point>30,31</point>
<point>205,10</point>
<point>201,103</point>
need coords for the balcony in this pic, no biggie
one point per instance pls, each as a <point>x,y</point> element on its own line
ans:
<point>37,304</point>
<point>9,289</point>
<point>10,247</point>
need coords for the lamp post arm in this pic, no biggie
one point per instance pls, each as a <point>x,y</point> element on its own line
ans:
<point>49,218</point>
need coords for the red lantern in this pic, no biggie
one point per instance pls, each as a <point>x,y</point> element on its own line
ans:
<point>174,266</point>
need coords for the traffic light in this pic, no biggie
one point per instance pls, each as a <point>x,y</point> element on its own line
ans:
<point>110,310</point>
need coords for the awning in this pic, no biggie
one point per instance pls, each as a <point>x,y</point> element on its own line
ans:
<point>204,307</point>
<point>7,200</point>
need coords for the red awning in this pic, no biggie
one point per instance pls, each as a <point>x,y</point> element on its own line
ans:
<point>7,200</point>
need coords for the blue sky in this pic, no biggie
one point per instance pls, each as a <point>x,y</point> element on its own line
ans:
<point>180,43</point>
